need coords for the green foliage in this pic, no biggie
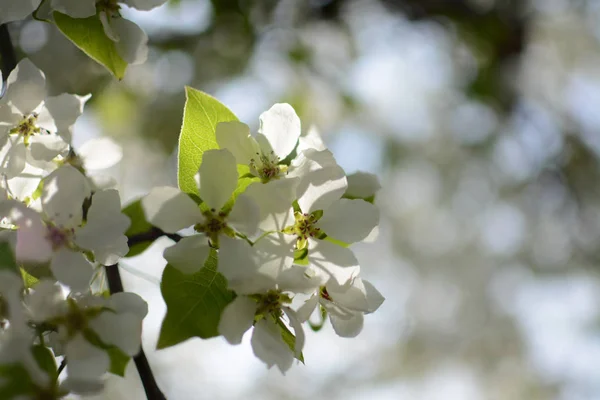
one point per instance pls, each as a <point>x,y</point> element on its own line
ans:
<point>289,338</point>
<point>7,259</point>
<point>194,303</point>
<point>46,361</point>
<point>15,381</point>
<point>118,361</point>
<point>244,180</point>
<point>139,225</point>
<point>201,115</point>
<point>88,34</point>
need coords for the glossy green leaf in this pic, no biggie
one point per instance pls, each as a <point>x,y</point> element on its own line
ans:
<point>139,225</point>
<point>88,34</point>
<point>201,115</point>
<point>194,303</point>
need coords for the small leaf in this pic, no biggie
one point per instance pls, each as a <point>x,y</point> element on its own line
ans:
<point>46,361</point>
<point>201,115</point>
<point>88,34</point>
<point>194,303</point>
<point>135,212</point>
<point>7,258</point>
<point>118,361</point>
<point>289,338</point>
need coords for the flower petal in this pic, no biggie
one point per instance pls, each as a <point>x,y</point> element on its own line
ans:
<point>15,10</point>
<point>235,137</point>
<point>170,209</point>
<point>189,254</point>
<point>311,140</point>
<point>26,86</point>
<point>274,200</point>
<point>347,327</point>
<point>362,185</point>
<point>237,318</point>
<point>75,8</point>
<point>121,330</point>
<point>274,254</point>
<point>281,127</point>
<point>296,325</point>
<point>218,177</point>
<point>132,45</point>
<point>86,362</point>
<point>349,220</point>
<point>353,297</point>
<point>237,263</point>
<point>63,195</point>
<point>244,215</point>
<point>104,231</point>
<point>47,147</point>
<point>127,302</point>
<point>100,153</point>
<point>13,158</point>
<point>268,345</point>
<point>334,262</point>
<point>144,5</point>
<point>374,298</point>
<point>65,109</point>
<point>72,269</point>
<point>307,309</point>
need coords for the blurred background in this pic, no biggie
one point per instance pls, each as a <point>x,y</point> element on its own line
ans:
<point>481,119</point>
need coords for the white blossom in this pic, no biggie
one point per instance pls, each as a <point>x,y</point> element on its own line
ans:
<point>15,10</point>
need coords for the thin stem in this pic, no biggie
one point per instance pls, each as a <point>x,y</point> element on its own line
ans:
<point>7,52</point>
<point>151,235</point>
<point>151,388</point>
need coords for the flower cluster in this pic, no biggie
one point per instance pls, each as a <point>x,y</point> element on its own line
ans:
<point>58,229</point>
<point>287,235</point>
<point>130,40</point>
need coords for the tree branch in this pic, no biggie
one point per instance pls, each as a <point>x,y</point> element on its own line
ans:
<point>150,236</point>
<point>151,388</point>
<point>7,52</point>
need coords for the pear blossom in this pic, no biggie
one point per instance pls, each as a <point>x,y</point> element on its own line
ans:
<point>277,137</point>
<point>115,321</point>
<point>60,235</point>
<point>345,306</point>
<point>15,10</point>
<point>172,210</point>
<point>34,128</point>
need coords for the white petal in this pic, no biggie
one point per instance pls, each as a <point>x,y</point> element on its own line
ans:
<point>337,263</point>
<point>26,86</point>
<point>47,147</point>
<point>218,177</point>
<point>274,200</point>
<point>72,269</point>
<point>121,330</point>
<point>306,310</point>
<point>32,244</point>
<point>374,298</point>
<point>237,318</point>
<point>86,362</point>
<point>75,8</point>
<point>349,220</point>
<point>64,193</point>
<point>15,10</point>
<point>100,153</point>
<point>65,109</point>
<point>13,158</point>
<point>237,264</point>
<point>311,140</point>
<point>281,126</point>
<point>144,5</point>
<point>170,209</point>
<point>104,231</point>
<point>268,345</point>
<point>322,180</point>
<point>46,301</point>
<point>347,327</point>
<point>244,216</point>
<point>235,137</point>
<point>362,185</point>
<point>274,254</point>
<point>133,41</point>
<point>189,254</point>
<point>299,279</point>
<point>353,297</point>
<point>296,325</point>
<point>24,185</point>
<point>130,303</point>
<point>107,27</point>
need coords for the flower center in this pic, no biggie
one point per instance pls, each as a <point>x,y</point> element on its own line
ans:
<point>213,226</point>
<point>270,303</point>
<point>267,167</point>
<point>110,7</point>
<point>59,237</point>
<point>303,228</point>
<point>27,127</point>
<point>323,293</point>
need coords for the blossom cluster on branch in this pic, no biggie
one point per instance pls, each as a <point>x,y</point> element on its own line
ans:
<point>263,227</point>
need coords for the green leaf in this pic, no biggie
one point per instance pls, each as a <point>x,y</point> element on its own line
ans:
<point>201,115</point>
<point>15,381</point>
<point>118,361</point>
<point>28,279</point>
<point>244,180</point>
<point>135,212</point>
<point>194,303</point>
<point>289,338</point>
<point>46,361</point>
<point>7,258</point>
<point>88,34</point>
